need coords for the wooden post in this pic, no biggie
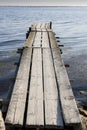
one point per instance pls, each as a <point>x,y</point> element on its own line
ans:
<point>1,100</point>
<point>61,51</point>
<point>57,37</point>
<point>20,50</point>
<point>50,25</point>
<point>29,29</point>
<point>66,65</point>
<point>27,34</point>
<point>58,40</point>
<point>61,45</point>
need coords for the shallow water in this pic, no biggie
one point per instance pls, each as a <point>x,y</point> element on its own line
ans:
<point>69,23</point>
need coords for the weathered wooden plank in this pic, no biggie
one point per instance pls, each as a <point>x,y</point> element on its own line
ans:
<point>47,25</point>
<point>35,115</point>
<point>2,125</point>
<point>69,108</point>
<point>45,40</point>
<point>53,40</point>
<point>15,114</point>
<point>37,42</point>
<point>29,41</point>
<point>43,26</point>
<point>33,27</point>
<point>52,106</point>
<point>38,26</point>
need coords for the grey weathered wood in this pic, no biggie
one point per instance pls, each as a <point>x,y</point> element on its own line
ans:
<point>29,41</point>
<point>53,40</point>
<point>37,42</point>
<point>69,108</point>
<point>35,115</point>
<point>47,25</point>
<point>43,26</point>
<point>15,114</point>
<point>52,106</point>
<point>38,26</point>
<point>33,27</point>
<point>2,124</point>
<point>45,40</point>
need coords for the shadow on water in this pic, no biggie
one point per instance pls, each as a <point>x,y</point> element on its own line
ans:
<point>7,73</point>
<point>77,72</point>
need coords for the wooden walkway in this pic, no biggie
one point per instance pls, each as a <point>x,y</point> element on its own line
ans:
<point>42,96</point>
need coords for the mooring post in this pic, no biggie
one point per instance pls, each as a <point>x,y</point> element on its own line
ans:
<point>61,45</point>
<point>50,25</point>
<point>27,34</point>
<point>57,37</point>
<point>29,29</point>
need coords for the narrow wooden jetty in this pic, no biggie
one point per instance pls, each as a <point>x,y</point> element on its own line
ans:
<point>42,97</point>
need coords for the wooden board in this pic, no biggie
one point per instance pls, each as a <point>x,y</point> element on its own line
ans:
<point>37,42</point>
<point>15,114</point>
<point>43,26</point>
<point>45,40</point>
<point>2,125</point>
<point>38,26</point>
<point>35,115</point>
<point>53,40</point>
<point>33,27</point>
<point>52,106</point>
<point>69,108</point>
<point>47,25</point>
<point>30,40</point>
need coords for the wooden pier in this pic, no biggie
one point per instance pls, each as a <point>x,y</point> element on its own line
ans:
<point>42,96</point>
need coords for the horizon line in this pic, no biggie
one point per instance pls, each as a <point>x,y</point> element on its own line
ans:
<point>43,5</point>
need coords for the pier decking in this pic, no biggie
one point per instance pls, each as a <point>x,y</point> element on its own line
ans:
<point>42,96</point>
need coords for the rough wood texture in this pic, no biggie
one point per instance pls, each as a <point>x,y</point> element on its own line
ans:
<point>2,125</point>
<point>53,40</point>
<point>43,26</point>
<point>33,27</point>
<point>45,40</point>
<point>37,42</point>
<point>69,108</point>
<point>15,114</point>
<point>29,41</point>
<point>35,115</point>
<point>52,106</point>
